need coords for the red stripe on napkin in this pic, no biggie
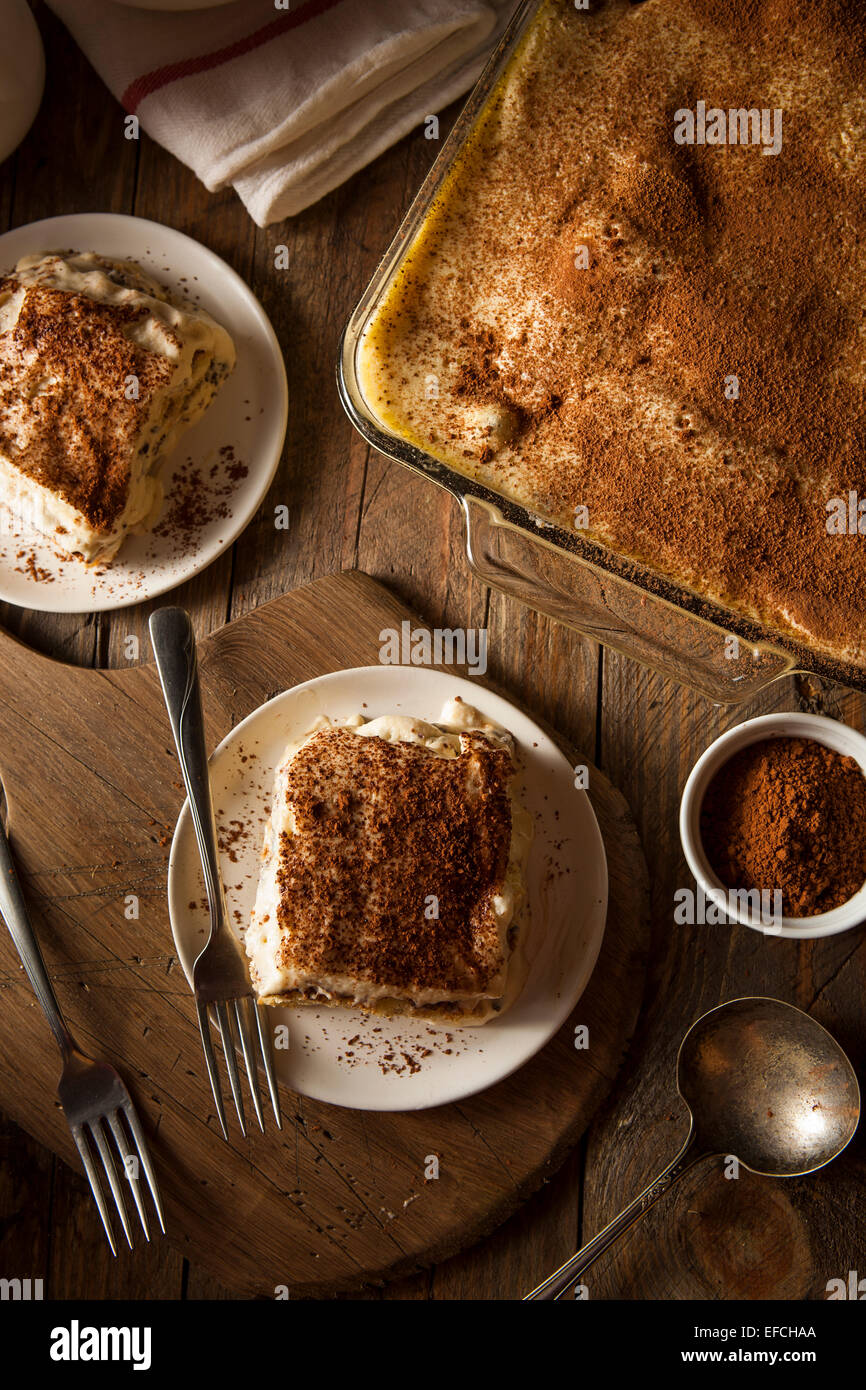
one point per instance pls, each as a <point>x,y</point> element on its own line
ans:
<point>150,82</point>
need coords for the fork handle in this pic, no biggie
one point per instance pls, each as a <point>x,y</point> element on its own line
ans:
<point>173,638</point>
<point>16,915</point>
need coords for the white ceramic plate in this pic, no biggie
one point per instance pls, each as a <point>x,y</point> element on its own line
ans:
<point>235,447</point>
<point>368,1063</point>
<point>22,73</point>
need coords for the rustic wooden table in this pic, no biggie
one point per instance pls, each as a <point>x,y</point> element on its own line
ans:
<point>349,507</point>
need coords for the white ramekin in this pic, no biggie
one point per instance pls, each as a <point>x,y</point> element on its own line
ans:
<point>830,732</point>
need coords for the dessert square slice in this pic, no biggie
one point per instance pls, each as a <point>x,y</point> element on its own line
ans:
<point>393,870</point>
<point>101,371</point>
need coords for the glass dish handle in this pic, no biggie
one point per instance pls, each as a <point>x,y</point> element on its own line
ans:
<point>616,613</point>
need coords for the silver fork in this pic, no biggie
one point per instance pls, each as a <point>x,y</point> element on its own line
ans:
<point>93,1097</point>
<point>220,977</point>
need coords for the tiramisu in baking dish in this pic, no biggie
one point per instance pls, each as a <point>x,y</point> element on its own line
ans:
<point>101,371</point>
<point>393,871</point>
<point>636,308</point>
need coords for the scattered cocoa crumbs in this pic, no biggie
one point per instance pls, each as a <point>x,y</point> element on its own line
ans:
<point>232,838</point>
<point>32,569</point>
<point>399,1057</point>
<point>198,497</point>
<point>789,814</point>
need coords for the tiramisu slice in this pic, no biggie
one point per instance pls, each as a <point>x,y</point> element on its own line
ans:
<point>101,371</point>
<point>393,870</point>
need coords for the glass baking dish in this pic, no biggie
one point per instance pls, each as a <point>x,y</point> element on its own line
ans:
<point>607,597</point>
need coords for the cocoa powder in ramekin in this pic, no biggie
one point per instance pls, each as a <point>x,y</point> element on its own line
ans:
<point>789,814</point>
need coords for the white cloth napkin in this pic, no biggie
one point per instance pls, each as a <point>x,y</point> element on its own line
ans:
<point>285,103</point>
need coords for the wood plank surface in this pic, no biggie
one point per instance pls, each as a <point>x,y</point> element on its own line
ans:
<point>714,1238</point>
<point>349,508</point>
<point>339,1198</point>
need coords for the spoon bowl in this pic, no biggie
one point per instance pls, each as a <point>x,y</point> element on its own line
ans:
<point>763,1083</point>
<point>766,1083</point>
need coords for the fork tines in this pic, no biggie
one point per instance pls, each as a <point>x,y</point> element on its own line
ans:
<point>233,1018</point>
<point>133,1153</point>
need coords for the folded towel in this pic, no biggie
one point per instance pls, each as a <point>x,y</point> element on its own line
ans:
<point>285,104</point>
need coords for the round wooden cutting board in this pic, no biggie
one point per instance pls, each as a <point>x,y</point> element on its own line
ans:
<point>339,1198</point>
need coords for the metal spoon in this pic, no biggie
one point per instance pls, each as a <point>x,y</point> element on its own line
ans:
<point>762,1082</point>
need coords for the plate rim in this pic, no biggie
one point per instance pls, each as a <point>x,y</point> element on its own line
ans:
<point>111,603</point>
<point>601,908</point>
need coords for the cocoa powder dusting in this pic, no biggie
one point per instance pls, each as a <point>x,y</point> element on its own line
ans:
<point>78,435</point>
<point>789,814</point>
<point>666,335</point>
<point>438,826</point>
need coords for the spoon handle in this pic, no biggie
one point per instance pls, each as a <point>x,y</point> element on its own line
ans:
<point>558,1283</point>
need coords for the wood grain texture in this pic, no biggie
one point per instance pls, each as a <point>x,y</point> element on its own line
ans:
<point>339,1199</point>
<point>349,507</point>
<point>714,1238</point>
